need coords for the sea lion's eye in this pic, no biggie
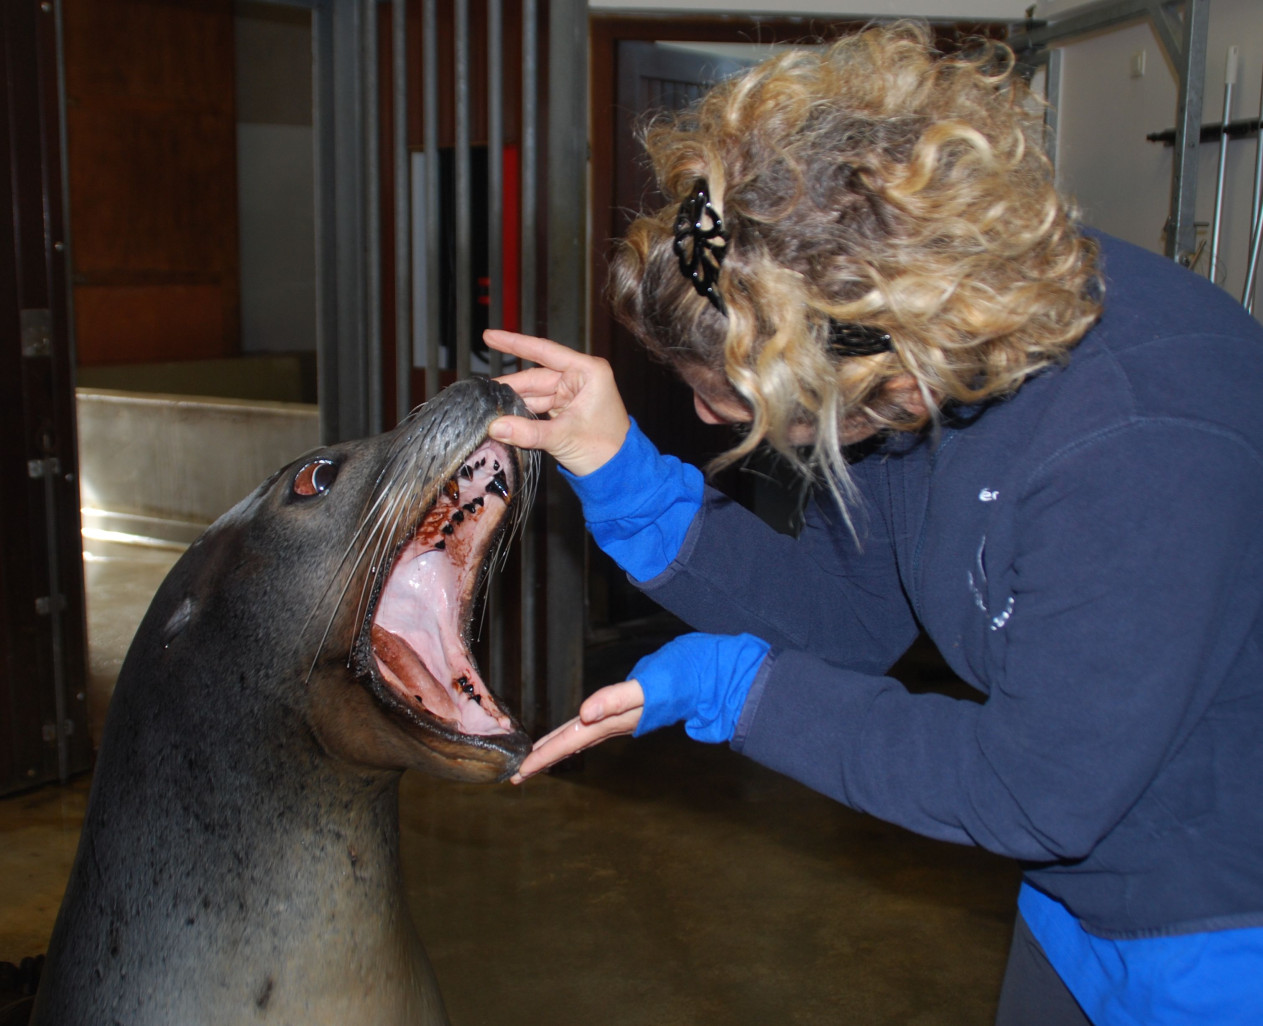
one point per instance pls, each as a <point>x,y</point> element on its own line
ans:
<point>316,478</point>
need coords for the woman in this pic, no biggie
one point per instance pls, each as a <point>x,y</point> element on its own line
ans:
<point>1038,446</point>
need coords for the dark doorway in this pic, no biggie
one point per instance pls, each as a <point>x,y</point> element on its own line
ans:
<point>43,708</point>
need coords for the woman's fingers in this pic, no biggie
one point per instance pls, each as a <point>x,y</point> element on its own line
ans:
<point>532,382</point>
<point>610,712</point>
<point>613,700</point>
<point>538,350</point>
<point>525,434</point>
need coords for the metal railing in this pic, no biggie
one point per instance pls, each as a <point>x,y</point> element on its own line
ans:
<point>546,606</point>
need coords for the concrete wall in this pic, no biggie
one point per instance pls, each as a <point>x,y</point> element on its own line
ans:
<point>163,467</point>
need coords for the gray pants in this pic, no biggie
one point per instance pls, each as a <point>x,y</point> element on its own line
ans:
<point>1032,993</point>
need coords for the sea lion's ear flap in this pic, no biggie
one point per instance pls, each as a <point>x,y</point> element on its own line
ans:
<point>180,619</point>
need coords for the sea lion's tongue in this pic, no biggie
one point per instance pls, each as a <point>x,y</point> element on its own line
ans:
<point>420,651</point>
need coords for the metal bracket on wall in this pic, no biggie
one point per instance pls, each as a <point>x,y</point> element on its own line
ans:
<point>1182,27</point>
<point>37,333</point>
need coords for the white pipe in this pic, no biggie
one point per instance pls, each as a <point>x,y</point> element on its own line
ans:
<point>1247,294</point>
<point>1230,77</point>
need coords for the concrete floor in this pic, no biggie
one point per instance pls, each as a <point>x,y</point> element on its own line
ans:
<point>663,882</point>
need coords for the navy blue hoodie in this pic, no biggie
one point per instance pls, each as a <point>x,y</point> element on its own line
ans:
<point>1088,554</point>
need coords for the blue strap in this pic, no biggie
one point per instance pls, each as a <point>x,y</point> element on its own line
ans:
<point>639,505</point>
<point>702,679</point>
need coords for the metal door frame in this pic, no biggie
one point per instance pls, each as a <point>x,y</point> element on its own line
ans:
<point>1184,39</point>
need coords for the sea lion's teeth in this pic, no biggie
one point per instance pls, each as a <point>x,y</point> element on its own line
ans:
<point>498,487</point>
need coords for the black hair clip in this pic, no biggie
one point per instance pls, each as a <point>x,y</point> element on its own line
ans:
<point>857,339</point>
<point>701,246</point>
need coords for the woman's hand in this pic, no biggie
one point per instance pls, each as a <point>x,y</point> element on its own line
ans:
<point>583,420</point>
<point>610,712</point>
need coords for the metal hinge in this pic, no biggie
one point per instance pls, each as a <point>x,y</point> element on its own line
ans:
<point>44,604</point>
<point>50,730</point>
<point>37,332</point>
<point>49,467</point>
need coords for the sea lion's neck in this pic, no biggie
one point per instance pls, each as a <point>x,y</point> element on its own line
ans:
<point>275,852</point>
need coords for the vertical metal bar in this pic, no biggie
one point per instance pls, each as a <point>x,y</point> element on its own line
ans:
<point>62,247</point>
<point>1216,222</point>
<point>495,176</point>
<point>1052,95</point>
<point>66,253</point>
<point>528,321</point>
<point>403,212</point>
<point>1256,213</point>
<point>529,313</point>
<point>372,217</point>
<point>338,112</point>
<point>430,111</point>
<point>1181,241</point>
<point>495,285</point>
<point>49,469</point>
<point>567,237</point>
<point>464,193</point>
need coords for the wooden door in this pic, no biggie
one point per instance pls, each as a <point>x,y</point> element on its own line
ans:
<point>152,169</point>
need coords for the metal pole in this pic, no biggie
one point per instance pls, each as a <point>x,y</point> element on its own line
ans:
<point>529,323</point>
<point>433,306</point>
<point>567,323</point>
<point>339,112</point>
<point>403,212</point>
<point>1052,95</point>
<point>1230,78</point>
<point>495,176</point>
<point>495,290</point>
<point>372,218</point>
<point>464,193</point>
<point>530,166</point>
<point>1256,222</point>
<point>1181,241</point>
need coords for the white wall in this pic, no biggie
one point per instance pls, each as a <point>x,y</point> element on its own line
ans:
<point>1123,182</point>
<point>275,178</point>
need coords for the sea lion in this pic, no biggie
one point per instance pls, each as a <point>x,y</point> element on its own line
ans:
<point>239,855</point>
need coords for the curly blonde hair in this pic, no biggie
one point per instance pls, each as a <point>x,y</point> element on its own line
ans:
<point>877,182</point>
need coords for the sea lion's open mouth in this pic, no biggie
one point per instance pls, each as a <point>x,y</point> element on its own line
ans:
<point>419,629</point>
